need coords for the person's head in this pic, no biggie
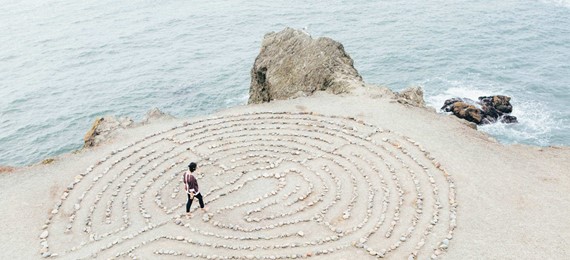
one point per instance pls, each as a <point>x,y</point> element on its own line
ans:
<point>192,166</point>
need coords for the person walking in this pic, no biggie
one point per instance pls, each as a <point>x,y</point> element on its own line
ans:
<point>192,189</point>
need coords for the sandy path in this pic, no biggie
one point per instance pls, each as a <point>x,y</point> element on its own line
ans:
<point>323,176</point>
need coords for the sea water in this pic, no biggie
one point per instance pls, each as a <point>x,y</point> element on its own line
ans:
<point>63,63</point>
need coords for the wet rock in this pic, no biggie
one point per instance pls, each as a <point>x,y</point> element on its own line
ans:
<point>467,112</point>
<point>487,110</point>
<point>291,64</point>
<point>500,103</point>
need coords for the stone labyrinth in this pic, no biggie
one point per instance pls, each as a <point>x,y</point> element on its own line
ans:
<point>278,185</point>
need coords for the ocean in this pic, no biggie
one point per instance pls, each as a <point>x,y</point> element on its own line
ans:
<point>64,63</point>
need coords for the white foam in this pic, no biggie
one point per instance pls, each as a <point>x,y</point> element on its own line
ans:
<point>536,121</point>
<point>454,88</point>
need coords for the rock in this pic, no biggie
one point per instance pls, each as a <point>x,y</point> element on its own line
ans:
<point>103,128</point>
<point>44,234</point>
<point>508,119</point>
<point>48,161</point>
<point>467,112</point>
<point>291,64</point>
<point>155,114</point>
<point>413,96</point>
<point>6,169</point>
<point>90,137</point>
<point>488,109</point>
<point>500,103</point>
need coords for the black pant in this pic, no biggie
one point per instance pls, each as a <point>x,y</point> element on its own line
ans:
<point>189,203</point>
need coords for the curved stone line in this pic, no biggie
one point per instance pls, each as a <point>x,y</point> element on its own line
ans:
<point>339,129</point>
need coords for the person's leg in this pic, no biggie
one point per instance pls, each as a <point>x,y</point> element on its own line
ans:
<point>188,204</point>
<point>200,200</point>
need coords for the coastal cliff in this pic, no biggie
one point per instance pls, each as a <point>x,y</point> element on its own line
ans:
<point>367,173</point>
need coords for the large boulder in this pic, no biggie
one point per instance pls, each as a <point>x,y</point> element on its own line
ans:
<point>486,110</point>
<point>467,112</point>
<point>291,63</point>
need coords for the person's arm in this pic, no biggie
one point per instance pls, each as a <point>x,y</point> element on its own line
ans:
<point>197,187</point>
<point>186,182</point>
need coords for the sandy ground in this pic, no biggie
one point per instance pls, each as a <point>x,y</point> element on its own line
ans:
<point>325,177</point>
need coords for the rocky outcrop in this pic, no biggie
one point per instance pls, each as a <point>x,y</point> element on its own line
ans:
<point>155,114</point>
<point>291,64</point>
<point>413,96</point>
<point>6,169</point>
<point>486,110</point>
<point>105,127</point>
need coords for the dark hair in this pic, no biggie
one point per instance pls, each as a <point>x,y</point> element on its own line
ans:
<point>192,166</point>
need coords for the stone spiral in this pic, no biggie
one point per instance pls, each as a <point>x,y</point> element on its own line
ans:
<point>277,184</point>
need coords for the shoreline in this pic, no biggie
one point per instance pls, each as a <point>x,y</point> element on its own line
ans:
<point>492,179</point>
<point>50,159</point>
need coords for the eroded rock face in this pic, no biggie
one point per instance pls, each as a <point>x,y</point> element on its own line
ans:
<point>291,64</point>
<point>102,129</point>
<point>486,110</point>
<point>105,127</point>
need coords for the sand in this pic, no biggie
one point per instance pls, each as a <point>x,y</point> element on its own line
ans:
<point>324,177</point>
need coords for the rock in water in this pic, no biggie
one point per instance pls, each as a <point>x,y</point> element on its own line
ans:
<point>501,103</point>
<point>489,109</point>
<point>291,64</point>
<point>467,112</point>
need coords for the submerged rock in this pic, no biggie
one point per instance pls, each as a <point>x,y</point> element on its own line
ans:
<point>486,110</point>
<point>291,64</point>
